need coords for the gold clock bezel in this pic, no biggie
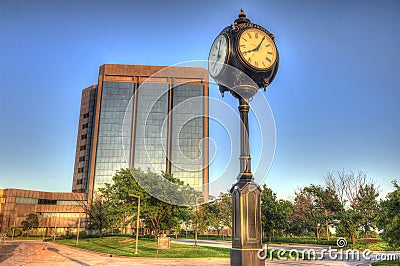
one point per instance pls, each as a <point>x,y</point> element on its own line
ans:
<point>228,53</point>
<point>243,59</point>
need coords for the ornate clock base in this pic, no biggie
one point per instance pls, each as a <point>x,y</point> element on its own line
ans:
<point>245,257</point>
<point>246,235</point>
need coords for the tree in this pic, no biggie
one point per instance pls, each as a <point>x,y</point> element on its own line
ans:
<point>388,218</point>
<point>350,220</point>
<point>308,210</point>
<point>156,214</point>
<point>99,213</point>
<point>274,214</point>
<point>357,195</point>
<point>367,206</point>
<point>220,212</point>
<point>326,201</point>
<point>268,211</point>
<point>30,222</point>
<point>224,207</point>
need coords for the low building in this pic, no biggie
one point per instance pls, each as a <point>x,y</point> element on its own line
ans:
<point>58,212</point>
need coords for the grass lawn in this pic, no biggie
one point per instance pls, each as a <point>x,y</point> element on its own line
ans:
<point>386,263</point>
<point>125,246</point>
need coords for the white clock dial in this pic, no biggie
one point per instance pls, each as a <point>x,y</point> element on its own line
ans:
<point>218,55</point>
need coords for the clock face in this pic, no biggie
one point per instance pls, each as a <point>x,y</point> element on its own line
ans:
<point>218,55</point>
<point>257,49</point>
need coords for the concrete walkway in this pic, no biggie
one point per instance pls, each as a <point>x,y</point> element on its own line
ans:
<point>48,253</point>
<point>35,253</point>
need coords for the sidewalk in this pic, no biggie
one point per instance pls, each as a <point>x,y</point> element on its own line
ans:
<point>37,253</point>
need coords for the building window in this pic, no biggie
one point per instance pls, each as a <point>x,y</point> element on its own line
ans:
<point>68,202</point>
<point>47,202</point>
<point>82,158</point>
<point>86,115</point>
<point>79,181</point>
<point>23,200</point>
<point>84,136</point>
<point>62,214</point>
<point>85,126</point>
<point>80,170</point>
<point>83,147</point>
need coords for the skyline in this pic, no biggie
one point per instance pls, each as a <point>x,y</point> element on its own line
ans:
<point>334,100</point>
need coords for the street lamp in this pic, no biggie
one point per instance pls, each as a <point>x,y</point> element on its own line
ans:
<point>137,222</point>
<point>197,219</point>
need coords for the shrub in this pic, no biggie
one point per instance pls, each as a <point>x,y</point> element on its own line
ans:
<point>17,231</point>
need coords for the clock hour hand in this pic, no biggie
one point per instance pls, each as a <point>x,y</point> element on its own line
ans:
<point>249,51</point>
<point>219,48</point>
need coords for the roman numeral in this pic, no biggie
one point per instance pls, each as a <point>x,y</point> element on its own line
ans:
<point>269,60</point>
<point>267,45</point>
<point>256,63</point>
<point>244,39</point>
<point>256,35</point>
<point>249,60</point>
<point>271,53</point>
<point>248,34</point>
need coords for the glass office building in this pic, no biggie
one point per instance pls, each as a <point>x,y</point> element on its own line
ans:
<point>146,117</point>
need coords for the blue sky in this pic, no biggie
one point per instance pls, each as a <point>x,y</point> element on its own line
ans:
<point>335,99</point>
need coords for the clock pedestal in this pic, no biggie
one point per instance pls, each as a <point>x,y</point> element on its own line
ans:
<point>246,235</point>
<point>246,209</point>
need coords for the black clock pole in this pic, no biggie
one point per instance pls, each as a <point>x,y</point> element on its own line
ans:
<point>246,209</point>
<point>245,159</point>
<point>251,62</point>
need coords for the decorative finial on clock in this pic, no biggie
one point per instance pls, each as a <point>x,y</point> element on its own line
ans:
<point>242,17</point>
<point>242,14</point>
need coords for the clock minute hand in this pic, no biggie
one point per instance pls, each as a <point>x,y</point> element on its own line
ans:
<point>255,49</point>
<point>259,45</point>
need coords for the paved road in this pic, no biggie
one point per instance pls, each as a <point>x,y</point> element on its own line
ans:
<point>335,257</point>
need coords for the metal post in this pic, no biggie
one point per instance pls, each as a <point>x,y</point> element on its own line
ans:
<point>197,220</point>
<point>79,228</point>
<point>246,211</point>
<point>137,222</point>
<point>197,226</point>
<point>13,231</point>
<point>245,159</point>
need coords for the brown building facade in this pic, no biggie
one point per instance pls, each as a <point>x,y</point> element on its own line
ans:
<point>139,117</point>
<point>58,212</point>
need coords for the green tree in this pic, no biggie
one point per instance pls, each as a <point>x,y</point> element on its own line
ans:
<point>220,212</point>
<point>100,214</point>
<point>367,206</point>
<point>274,213</point>
<point>156,214</point>
<point>285,211</point>
<point>388,218</point>
<point>358,197</point>
<point>30,222</point>
<point>350,221</point>
<point>326,204</point>
<point>308,215</point>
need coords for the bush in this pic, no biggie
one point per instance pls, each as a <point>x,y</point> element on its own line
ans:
<point>82,234</point>
<point>17,231</point>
